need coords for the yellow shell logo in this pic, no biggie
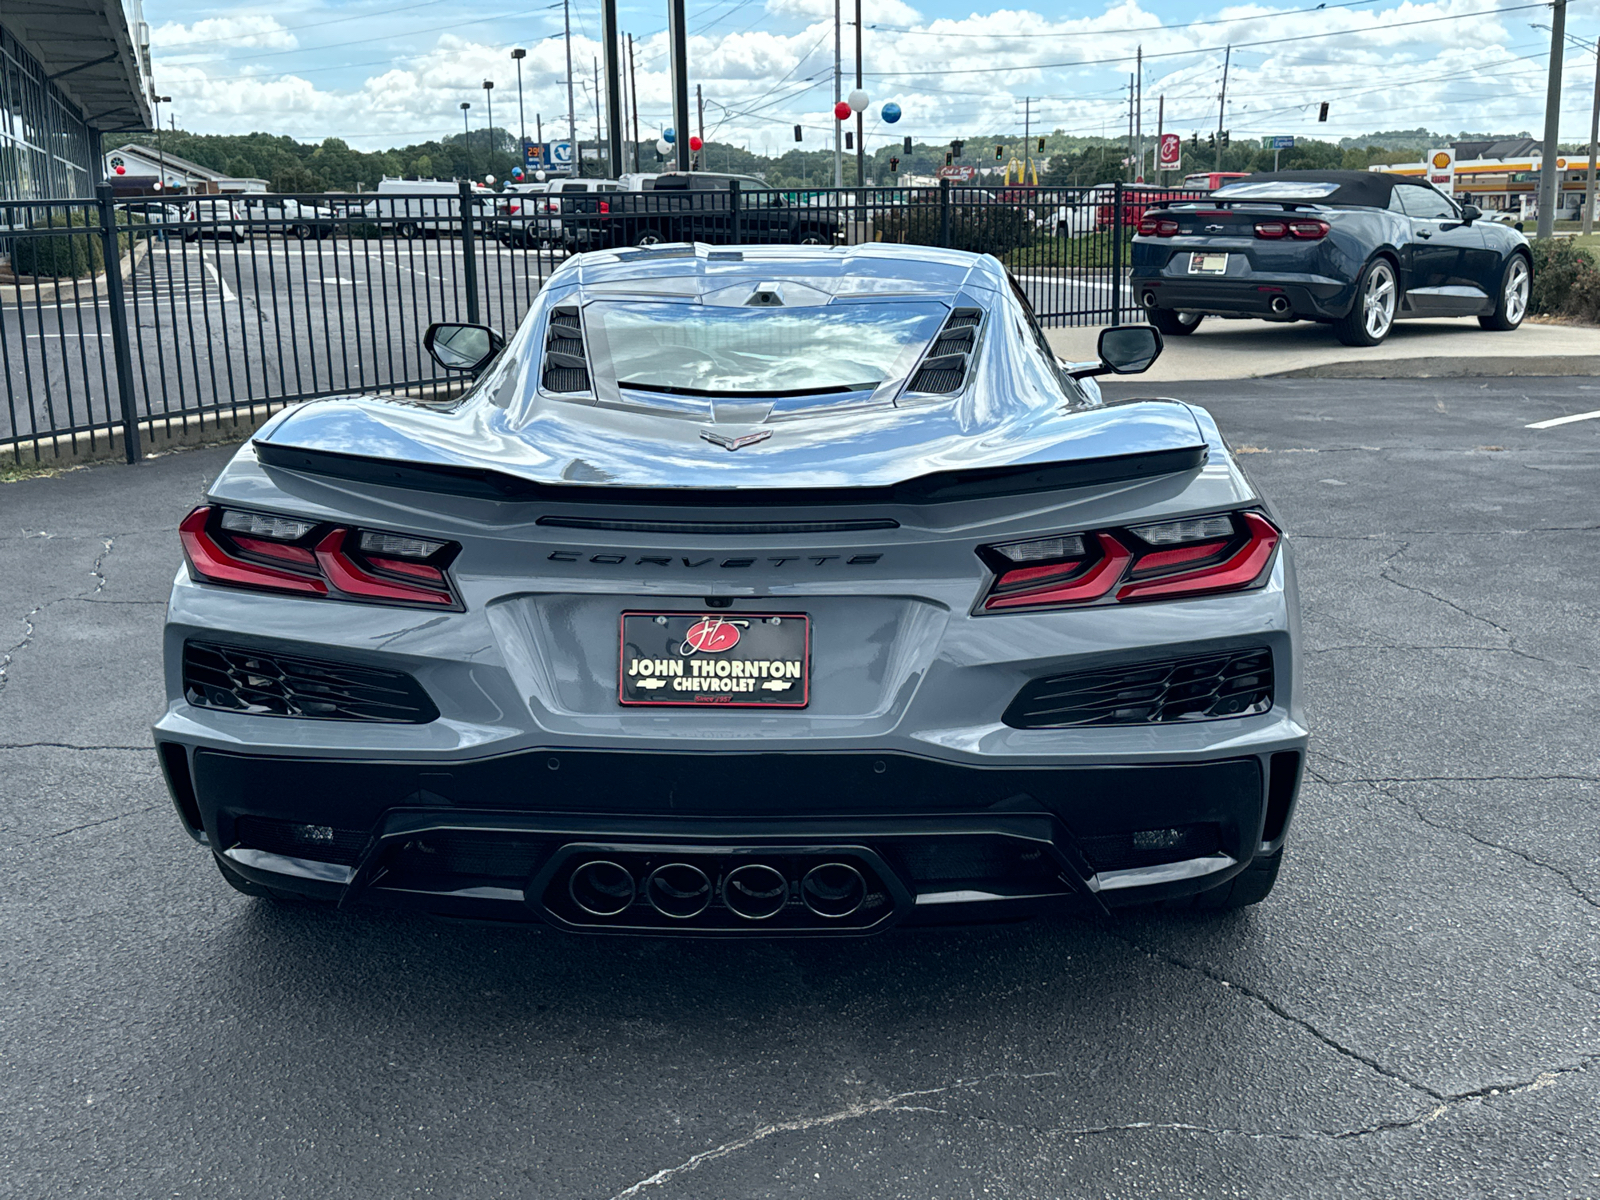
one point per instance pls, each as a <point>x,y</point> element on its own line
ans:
<point>1561,164</point>
<point>1441,160</point>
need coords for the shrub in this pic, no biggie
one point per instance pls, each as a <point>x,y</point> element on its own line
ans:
<point>1558,263</point>
<point>59,255</point>
<point>994,229</point>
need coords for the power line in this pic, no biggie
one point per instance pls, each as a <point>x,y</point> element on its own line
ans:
<point>1131,31</point>
<point>236,37</point>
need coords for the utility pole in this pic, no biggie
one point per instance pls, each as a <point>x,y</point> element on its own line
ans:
<point>466,136</point>
<point>861,136</point>
<point>1161,129</point>
<point>1130,119</point>
<point>572,108</point>
<point>522,118</point>
<point>678,41</point>
<point>633,92</point>
<point>599,133</point>
<point>538,136</point>
<point>1549,177</point>
<point>1594,136</point>
<point>1222,101</point>
<point>488,96</point>
<point>838,137</point>
<point>1027,136</point>
<point>700,124</point>
<point>616,113</point>
<point>1138,119</point>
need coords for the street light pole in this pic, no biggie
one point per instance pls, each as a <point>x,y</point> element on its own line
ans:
<point>838,95</point>
<point>572,109</point>
<point>1549,177</point>
<point>488,96</point>
<point>861,141</point>
<point>161,157</point>
<point>1594,151</point>
<point>522,120</point>
<point>466,136</point>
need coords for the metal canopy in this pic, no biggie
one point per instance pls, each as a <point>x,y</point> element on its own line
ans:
<point>94,52</point>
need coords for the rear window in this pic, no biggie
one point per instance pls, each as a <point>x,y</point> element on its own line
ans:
<point>706,350</point>
<point>1275,189</point>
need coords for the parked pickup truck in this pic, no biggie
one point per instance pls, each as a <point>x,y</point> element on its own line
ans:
<point>694,207</point>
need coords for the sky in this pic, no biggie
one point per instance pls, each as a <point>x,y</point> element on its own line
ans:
<point>384,73</point>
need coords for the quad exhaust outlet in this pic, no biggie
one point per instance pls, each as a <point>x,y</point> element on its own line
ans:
<point>602,889</point>
<point>755,891</point>
<point>678,890</point>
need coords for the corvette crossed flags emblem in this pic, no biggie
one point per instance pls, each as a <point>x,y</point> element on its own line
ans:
<point>735,443</point>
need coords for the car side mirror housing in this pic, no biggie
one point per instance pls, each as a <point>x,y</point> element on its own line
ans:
<point>1470,213</point>
<point>1123,350</point>
<point>460,347</point>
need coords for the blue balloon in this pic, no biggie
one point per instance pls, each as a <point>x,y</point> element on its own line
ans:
<point>891,113</point>
<point>668,136</point>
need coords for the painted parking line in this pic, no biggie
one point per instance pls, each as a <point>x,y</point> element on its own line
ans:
<point>1554,421</point>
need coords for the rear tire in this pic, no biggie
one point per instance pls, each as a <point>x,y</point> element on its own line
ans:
<point>1250,886</point>
<point>1174,324</point>
<point>648,237</point>
<point>1516,281</point>
<point>407,229</point>
<point>1373,310</point>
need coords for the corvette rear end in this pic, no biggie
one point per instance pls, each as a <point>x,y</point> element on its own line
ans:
<point>641,637</point>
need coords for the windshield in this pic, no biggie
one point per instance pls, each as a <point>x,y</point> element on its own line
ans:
<point>706,350</point>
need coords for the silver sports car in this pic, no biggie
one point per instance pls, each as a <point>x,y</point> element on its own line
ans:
<point>742,591</point>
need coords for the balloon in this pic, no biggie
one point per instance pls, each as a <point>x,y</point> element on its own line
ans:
<point>157,185</point>
<point>891,113</point>
<point>489,179</point>
<point>516,172</point>
<point>121,170</point>
<point>668,136</point>
<point>695,143</point>
<point>539,175</point>
<point>842,111</point>
<point>663,147</point>
<point>858,100</point>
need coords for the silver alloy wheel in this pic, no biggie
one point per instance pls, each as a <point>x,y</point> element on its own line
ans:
<point>1187,318</point>
<point>1377,303</point>
<point>1516,291</point>
<point>648,239</point>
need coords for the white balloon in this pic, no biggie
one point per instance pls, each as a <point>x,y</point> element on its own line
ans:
<point>489,179</point>
<point>858,100</point>
<point>663,147</point>
<point>539,175</point>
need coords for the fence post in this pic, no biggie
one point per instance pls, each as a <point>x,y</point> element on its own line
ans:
<point>944,213</point>
<point>734,222</point>
<point>1116,255</point>
<point>469,255</point>
<point>123,356</point>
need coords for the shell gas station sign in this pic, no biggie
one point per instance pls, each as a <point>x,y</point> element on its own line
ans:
<point>1442,170</point>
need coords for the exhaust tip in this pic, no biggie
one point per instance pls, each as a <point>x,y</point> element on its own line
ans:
<point>1148,299</point>
<point>678,890</point>
<point>833,890</point>
<point>601,889</point>
<point>1280,304</point>
<point>755,891</point>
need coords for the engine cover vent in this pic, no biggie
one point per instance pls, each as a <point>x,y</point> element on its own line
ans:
<point>944,371</point>
<point>566,365</point>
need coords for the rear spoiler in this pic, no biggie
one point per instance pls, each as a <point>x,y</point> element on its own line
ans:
<point>942,487</point>
<point>1284,205</point>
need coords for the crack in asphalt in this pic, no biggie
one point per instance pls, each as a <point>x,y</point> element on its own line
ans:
<point>132,812</point>
<point>67,746</point>
<point>107,541</point>
<point>899,1103</point>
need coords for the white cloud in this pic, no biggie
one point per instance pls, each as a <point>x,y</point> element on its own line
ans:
<point>219,34</point>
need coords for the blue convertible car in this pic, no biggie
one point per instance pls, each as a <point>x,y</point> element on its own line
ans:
<point>1353,249</point>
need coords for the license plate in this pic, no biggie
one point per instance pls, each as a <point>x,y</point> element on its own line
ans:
<point>1208,264</point>
<point>757,660</point>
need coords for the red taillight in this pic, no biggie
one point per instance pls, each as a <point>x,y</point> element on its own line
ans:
<point>1157,227</point>
<point>1271,229</point>
<point>1309,231</point>
<point>1224,553</point>
<point>322,562</point>
<point>605,208</point>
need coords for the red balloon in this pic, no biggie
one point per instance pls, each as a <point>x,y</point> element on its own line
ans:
<point>695,143</point>
<point>122,170</point>
<point>843,111</point>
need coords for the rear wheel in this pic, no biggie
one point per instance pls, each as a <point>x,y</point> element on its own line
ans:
<point>301,231</point>
<point>1171,323</point>
<point>1515,283</point>
<point>407,229</point>
<point>1372,315</point>
<point>648,237</point>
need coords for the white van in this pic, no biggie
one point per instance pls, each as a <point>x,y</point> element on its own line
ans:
<point>412,207</point>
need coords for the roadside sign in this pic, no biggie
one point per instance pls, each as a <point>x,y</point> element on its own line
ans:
<point>1171,156</point>
<point>561,155</point>
<point>958,174</point>
<point>532,156</point>
<point>1281,142</point>
<point>1442,170</point>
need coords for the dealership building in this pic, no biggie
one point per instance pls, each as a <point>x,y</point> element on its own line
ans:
<point>69,69</point>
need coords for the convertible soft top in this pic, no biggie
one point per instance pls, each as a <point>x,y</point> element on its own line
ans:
<point>1367,189</point>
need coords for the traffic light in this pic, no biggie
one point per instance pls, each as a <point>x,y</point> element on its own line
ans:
<point>849,141</point>
<point>1224,139</point>
<point>894,165</point>
<point>955,148</point>
<point>1322,113</point>
<point>1041,145</point>
<point>908,143</point>
<point>1194,141</point>
<point>999,152</point>
<point>1211,141</point>
<point>949,158</point>
<point>797,133</point>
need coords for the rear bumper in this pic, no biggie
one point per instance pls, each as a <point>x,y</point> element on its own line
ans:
<point>935,842</point>
<point>1244,298</point>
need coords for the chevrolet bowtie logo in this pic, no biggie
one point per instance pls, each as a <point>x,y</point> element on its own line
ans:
<point>1214,228</point>
<point>735,443</point>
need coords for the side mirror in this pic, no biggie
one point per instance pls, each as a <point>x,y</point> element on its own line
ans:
<point>1124,350</point>
<point>1470,213</point>
<point>457,347</point>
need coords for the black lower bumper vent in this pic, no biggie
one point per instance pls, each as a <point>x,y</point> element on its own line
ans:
<point>1236,683</point>
<point>237,679</point>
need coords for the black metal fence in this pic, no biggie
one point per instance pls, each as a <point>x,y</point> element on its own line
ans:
<point>122,320</point>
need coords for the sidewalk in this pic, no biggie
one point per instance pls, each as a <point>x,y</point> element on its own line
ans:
<point>1413,350</point>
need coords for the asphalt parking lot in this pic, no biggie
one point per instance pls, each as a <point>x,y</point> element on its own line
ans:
<point>1415,1012</point>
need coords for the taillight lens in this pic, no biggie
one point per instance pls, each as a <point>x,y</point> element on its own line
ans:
<point>1151,226</point>
<point>265,552</point>
<point>1271,229</point>
<point>1227,552</point>
<point>1309,231</point>
<point>605,208</point>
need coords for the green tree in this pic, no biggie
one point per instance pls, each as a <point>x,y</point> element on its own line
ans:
<point>298,179</point>
<point>241,168</point>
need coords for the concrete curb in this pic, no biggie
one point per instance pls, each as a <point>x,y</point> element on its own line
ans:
<point>90,289</point>
<point>1465,367</point>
